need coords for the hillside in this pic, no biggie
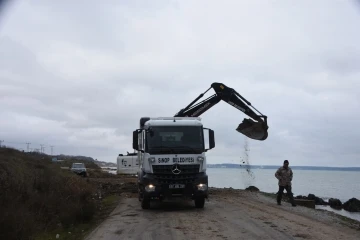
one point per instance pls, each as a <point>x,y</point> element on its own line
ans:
<point>89,161</point>
<point>104,164</point>
<point>75,157</point>
<point>37,197</point>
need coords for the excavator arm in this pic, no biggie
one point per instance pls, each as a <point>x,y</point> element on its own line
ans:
<point>253,129</point>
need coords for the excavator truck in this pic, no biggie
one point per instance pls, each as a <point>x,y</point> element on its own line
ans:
<point>171,150</point>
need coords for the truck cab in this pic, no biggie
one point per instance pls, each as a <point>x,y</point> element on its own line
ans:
<point>172,161</point>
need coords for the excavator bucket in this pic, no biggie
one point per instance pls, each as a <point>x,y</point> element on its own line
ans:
<point>252,129</point>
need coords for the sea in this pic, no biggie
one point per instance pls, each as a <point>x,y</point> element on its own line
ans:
<point>322,183</point>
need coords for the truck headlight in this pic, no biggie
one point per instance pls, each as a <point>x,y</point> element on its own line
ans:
<point>200,158</point>
<point>150,188</point>
<point>202,187</point>
<point>152,159</point>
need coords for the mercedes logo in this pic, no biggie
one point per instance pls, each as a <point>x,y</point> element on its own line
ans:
<point>176,169</point>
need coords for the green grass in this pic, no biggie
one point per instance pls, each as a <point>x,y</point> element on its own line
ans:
<point>110,200</point>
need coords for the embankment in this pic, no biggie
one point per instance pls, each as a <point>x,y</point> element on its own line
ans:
<point>38,198</point>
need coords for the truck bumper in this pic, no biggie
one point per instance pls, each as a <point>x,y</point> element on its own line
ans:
<point>81,173</point>
<point>160,191</point>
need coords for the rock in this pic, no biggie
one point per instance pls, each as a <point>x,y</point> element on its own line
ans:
<point>352,205</point>
<point>320,201</point>
<point>301,197</point>
<point>311,196</point>
<point>317,200</point>
<point>305,202</point>
<point>335,203</point>
<point>252,189</point>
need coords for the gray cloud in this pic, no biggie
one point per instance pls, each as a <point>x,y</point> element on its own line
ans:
<point>79,76</point>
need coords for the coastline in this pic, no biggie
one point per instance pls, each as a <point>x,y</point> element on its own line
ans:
<point>228,214</point>
<point>324,184</point>
<point>318,203</point>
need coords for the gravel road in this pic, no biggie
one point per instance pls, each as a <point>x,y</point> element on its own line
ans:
<point>227,215</point>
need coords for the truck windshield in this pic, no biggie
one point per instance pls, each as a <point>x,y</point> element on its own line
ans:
<point>175,139</point>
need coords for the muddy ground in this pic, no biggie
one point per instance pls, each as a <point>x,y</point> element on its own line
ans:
<point>229,214</point>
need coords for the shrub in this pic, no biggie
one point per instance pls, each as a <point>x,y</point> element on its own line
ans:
<point>36,196</point>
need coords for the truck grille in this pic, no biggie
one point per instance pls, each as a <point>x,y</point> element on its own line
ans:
<point>164,173</point>
<point>185,169</point>
<point>168,179</point>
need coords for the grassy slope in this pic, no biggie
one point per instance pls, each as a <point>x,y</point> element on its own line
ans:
<point>81,230</point>
<point>38,199</point>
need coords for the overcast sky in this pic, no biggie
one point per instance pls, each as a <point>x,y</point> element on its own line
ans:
<point>78,75</point>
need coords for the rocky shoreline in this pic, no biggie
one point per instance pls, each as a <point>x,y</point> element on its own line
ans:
<point>351,205</point>
<point>129,187</point>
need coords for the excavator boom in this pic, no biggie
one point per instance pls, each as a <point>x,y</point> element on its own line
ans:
<point>253,129</point>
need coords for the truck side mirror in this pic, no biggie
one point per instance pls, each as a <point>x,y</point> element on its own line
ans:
<point>211,139</point>
<point>135,140</point>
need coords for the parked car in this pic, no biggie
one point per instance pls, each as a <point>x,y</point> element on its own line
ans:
<point>79,168</point>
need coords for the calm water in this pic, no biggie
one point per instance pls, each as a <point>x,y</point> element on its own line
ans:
<point>325,184</point>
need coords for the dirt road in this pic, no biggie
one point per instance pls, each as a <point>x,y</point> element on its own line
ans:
<point>227,215</point>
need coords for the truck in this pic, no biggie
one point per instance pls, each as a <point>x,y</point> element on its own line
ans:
<point>127,164</point>
<point>79,169</point>
<point>171,151</point>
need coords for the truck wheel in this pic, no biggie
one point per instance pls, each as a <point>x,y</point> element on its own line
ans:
<point>145,203</point>
<point>200,202</point>
<point>140,195</point>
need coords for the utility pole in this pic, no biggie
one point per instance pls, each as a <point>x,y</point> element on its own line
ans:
<point>1,141</point>
<point>42,148</point>
<point>52,150</point>
<point>28,149</point>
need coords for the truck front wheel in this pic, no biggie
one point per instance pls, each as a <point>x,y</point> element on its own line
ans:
<point>145,203</point>
<point>199,202</point>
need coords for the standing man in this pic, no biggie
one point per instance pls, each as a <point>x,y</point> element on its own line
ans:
<point>285,176</point>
